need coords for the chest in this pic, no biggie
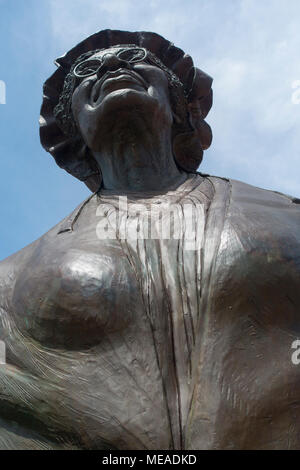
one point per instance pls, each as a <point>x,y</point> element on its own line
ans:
<point>144,309</point>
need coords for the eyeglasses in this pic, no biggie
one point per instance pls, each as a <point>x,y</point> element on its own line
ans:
<point>89,67</point>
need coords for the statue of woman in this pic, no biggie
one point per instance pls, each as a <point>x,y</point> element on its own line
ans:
<point>160,314</point>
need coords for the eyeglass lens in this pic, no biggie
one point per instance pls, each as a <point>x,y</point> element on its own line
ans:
<point>91,66</point>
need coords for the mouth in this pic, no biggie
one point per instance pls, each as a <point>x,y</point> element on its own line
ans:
<point>112,79</point>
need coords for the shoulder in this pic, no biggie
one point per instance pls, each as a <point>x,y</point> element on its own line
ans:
<point>244,192</point>
<point>265,215</point>
<point>57,240</point>
<point>254,207</point>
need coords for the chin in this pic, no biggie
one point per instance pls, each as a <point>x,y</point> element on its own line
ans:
<point>126,98</point>
<point>116,109</point>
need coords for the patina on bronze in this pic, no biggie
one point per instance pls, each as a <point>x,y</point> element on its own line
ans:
<point>134,343</point>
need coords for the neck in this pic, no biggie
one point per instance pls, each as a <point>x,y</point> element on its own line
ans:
<point>137,159</point>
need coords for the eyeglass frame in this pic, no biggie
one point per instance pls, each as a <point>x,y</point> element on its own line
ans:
<point>100,60</point>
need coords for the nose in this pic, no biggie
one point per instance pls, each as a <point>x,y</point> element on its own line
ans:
<point>111,62</point>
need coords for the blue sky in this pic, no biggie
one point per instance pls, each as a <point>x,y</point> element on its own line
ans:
<point>250,47</point>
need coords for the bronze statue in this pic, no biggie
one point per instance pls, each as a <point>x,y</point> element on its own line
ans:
<point>118,342</point>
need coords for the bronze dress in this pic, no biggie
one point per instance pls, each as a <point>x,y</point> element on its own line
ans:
<point>132,343</point>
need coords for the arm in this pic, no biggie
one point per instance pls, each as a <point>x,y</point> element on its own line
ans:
<point>27,419</point>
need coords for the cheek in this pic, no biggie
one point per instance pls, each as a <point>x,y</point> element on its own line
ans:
<point>158,86</point>
<point>154,76</point>
<point>82,110</point>
<point>162,95</point>
<point>81,98</point>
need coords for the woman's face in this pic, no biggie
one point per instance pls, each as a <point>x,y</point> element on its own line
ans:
<point>113,83</point>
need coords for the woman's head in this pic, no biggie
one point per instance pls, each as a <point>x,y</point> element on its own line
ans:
<point>189,97</point>
<point>87,67</point>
